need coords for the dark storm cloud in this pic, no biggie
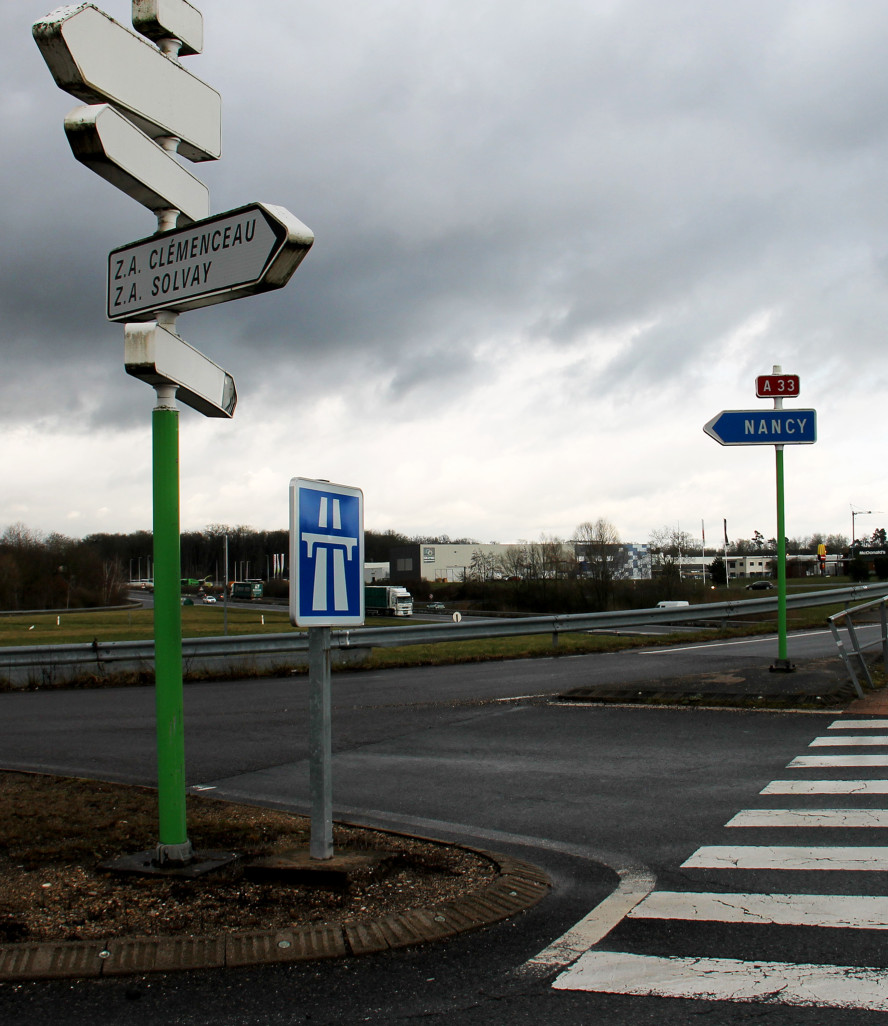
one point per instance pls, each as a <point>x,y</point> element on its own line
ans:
<point>653,184</point>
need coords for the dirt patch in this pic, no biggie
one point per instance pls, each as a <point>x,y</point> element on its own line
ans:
<point>54,832</point>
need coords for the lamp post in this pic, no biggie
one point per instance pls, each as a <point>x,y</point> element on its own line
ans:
<point>859,513</point>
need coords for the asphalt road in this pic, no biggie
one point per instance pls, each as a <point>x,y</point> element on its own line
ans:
<point>481,755</point>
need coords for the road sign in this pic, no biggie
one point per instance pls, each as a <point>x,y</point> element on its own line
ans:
<point>777,386</point>
<point>763,427</point>
<point>97,60</point>
<point>107,143</point>
<point>239,253</point>
<point>161,20</point>
<point>161,358</point>
<point>326,554</point>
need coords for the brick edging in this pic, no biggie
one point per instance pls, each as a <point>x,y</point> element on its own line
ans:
<point>517,887</point>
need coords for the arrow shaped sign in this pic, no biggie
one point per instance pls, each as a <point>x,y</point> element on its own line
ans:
<point>763,427</point>
<point>158,356</point>
<point>239,253</point>
<point>97,60</point>
<point>107,143</point>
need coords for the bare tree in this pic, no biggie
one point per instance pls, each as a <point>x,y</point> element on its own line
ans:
<point>555,558</point>
<point>667,546</point>
<point>484,566</point>
<point>603,557</point>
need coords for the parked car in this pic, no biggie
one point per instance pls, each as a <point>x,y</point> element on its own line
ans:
<point>759,586</point>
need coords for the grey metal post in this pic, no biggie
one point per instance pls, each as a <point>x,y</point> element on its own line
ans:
<point>858,651</point>
<point>884,619</point>
<point>225,591</point>
<point>320,745</point>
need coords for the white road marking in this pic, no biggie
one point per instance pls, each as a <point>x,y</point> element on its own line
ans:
<point>849,740</point>
<point>817,761</point>
<point>855,912</point>
<point>635,879</point>
<point>858,725</point>
<point>761,639</point>
<point>728,979</point>
<point>810,818</point>
<point>826,787</point>
<point>567,948</point>
<point>739,856</point>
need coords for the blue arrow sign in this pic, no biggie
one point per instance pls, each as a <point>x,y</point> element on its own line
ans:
<point>763,427</point>
<point>326,554</point>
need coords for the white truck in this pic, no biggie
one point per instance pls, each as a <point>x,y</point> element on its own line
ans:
<point>387,600</point>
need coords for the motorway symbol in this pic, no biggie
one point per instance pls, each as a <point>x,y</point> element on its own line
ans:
<point>107,143</point>
<point>97,60</point>
<point>239,253</point>
<point>763,427</point>
<point>326,554</point>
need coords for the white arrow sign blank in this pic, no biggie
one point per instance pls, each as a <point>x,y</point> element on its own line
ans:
<point>97,60</point>
<point>165,19</point>
<point>123,155</point>
<point>157,356</point>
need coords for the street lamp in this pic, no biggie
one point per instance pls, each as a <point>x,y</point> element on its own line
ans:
<point>860,513</point>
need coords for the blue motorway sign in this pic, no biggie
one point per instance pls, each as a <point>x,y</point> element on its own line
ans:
<point>763,427</point>
<point>326,554</point>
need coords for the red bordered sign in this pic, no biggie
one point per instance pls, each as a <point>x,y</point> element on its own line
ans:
<point>777,386</point>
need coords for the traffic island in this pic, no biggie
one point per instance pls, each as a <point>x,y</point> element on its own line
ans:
<point>63,915</point>
<point>818,684</point>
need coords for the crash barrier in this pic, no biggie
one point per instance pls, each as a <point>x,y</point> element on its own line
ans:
<point>35,665</point>
<point>854,653</point>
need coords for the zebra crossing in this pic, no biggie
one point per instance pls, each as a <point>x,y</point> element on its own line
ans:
<point>810,866</point>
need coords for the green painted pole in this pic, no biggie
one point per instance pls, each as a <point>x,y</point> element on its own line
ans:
<point>174,846</point>
<point>782,658</point>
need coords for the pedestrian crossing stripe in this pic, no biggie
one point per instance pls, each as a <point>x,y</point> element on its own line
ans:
<point>822,761</point>
<point>858,725</point>
<point>725,979</point>
<point>816,857</point>
<point>840,818</point>
<point>728,979</point>
<point>842,911</point>
<point>849,741</point>
<point>856,787</point>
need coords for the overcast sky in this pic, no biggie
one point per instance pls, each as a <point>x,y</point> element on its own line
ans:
<point>552,241</point>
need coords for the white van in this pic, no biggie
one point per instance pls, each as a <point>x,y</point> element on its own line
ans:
<point>678,603</point>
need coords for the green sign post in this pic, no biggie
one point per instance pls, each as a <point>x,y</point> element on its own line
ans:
<point>173,846</point>
<point>782,662</point>
<point>753,427</point>
<point>144,111</point>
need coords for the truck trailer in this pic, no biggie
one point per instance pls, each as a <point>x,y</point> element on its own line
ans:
<point>385,600</point>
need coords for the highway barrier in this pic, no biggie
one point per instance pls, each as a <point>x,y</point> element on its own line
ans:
<point>53,665</point>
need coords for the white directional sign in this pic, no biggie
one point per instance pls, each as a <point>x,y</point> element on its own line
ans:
<point>326,554</point>
<point>161,358</point>
<point>239,253</point>
<point>137,94</point>
<point>161,20</point>
<point>107,143</point>
<point>97,60</point>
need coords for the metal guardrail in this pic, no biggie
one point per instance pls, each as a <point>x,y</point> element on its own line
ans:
<point>856,650</point>
<point>35,664</point>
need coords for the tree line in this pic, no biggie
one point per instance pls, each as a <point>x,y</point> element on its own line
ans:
<point>54,571</point>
